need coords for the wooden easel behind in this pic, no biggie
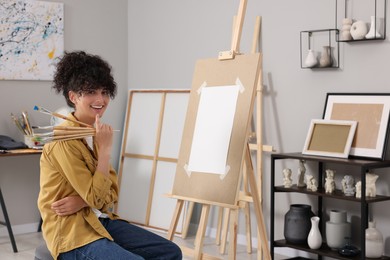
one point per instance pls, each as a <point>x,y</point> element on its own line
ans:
<point>197,251</point>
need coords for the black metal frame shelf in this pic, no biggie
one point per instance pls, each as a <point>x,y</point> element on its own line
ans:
<point>332,42</point>
<point>375,15</point>
<point>364,165</point>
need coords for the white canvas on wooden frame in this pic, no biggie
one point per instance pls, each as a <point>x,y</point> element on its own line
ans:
<point>150,147</point>
<point>331,138</point>
<point>31,38</point>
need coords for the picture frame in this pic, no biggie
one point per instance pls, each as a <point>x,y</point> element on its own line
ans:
<point>371,111</point>
<point>331,138</point>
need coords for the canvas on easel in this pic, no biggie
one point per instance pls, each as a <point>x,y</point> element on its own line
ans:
<point>210,186</point>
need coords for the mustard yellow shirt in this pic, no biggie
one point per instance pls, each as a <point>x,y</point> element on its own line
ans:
<point>69,168</point>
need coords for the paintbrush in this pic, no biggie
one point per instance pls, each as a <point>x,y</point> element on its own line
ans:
<point>18,125</point>
<point>27,125</point>
<point>45,111</point>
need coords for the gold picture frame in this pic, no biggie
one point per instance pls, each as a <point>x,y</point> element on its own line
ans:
<point>331,138</point>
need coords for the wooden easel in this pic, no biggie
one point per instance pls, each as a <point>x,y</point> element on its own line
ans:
<point>245,195</point>
<point>234,209</point>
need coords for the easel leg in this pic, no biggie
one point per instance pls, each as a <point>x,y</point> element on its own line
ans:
<point>175,219</point>
<point>256,202</point>
<point>225,228</point>
<point>201,231</point>
<point>191,206</point>
<point>247,212</point>
<point>233,234</point>
<point>219,226</point>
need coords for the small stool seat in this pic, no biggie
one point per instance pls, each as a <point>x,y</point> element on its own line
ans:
<point>42,253</point>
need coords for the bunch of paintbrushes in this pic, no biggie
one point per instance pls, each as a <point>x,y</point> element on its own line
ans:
<point>61,133</point>
<point>22,123</point>
<point>47,134</point>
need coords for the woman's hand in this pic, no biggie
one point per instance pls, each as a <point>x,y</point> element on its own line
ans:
<point>68,205</point>
<point>103,138</point>
<point>104,135</point>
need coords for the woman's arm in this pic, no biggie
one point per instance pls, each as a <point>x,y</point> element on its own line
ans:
<point>68,205</point>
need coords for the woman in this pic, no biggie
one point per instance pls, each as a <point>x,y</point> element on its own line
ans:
<point>78,185</point>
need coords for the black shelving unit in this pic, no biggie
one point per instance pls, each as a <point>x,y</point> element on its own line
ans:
<point>322,37</point>
<point>376,3</point>
<point>364,165</point>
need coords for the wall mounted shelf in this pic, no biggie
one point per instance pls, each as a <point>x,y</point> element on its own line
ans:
<point>316,41</point>
<point>345,9</point>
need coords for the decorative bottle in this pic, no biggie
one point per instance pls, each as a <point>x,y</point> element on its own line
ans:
<point>314,239</point>
<point>337,229</point>
<point>373,32</point>
<point>326,58</point>
<point>374,241</point>
<point>311,59</point>
<point>297,223</point>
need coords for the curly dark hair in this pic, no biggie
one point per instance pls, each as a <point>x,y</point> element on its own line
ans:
<point>81,72</point>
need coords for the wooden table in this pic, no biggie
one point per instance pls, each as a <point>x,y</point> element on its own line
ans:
<point>6,222</point>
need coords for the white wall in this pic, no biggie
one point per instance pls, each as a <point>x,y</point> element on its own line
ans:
<point>167,37</point>
<point>95,26</point>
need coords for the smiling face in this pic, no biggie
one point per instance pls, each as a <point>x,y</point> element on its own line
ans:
<point>89,103</point>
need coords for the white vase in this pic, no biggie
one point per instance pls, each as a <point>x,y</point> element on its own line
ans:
<point>358,30</point>
<point>314,239</point>
<point>311,59</point>
<point>337,229</point>
<point>374,241</point>
<point>373,33</point>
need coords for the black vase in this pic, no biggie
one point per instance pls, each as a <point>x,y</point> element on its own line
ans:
<point>297,223</point>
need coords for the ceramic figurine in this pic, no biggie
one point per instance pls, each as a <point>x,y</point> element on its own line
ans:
<point>330,184</point>
<point>311,183</point>
<point>358,189</point>
<point>370,184</point>
<point>301,174</point>
<point>347,183</point>
<point>287,181</point>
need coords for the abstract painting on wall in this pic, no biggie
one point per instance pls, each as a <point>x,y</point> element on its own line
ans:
<point>31,38</point>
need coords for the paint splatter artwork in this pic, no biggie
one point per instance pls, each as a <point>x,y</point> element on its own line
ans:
<point>31,38</point>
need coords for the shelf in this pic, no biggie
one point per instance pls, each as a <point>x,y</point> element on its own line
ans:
<point>337,194</point>
<point>322,43</point>
<point>355,162</point>
<point>323,251</point>
<point>365,165</point>
<point>376,7</point>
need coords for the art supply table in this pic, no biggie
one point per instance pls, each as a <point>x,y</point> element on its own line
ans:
<point>6,222</point>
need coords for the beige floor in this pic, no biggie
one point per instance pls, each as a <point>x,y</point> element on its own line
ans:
<point>27,243</point>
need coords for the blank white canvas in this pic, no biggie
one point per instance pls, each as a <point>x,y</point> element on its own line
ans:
<point>213,129</point>
<point>163,206</point>
<point>143,123</point>
<point>134,189</point>
<point>173,124</point>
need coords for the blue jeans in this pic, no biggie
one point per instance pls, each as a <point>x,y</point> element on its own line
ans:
<point>130,242</point>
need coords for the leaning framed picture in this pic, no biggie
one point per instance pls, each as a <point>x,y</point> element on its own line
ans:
<point>371,112</point>
<point>329,138</point>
